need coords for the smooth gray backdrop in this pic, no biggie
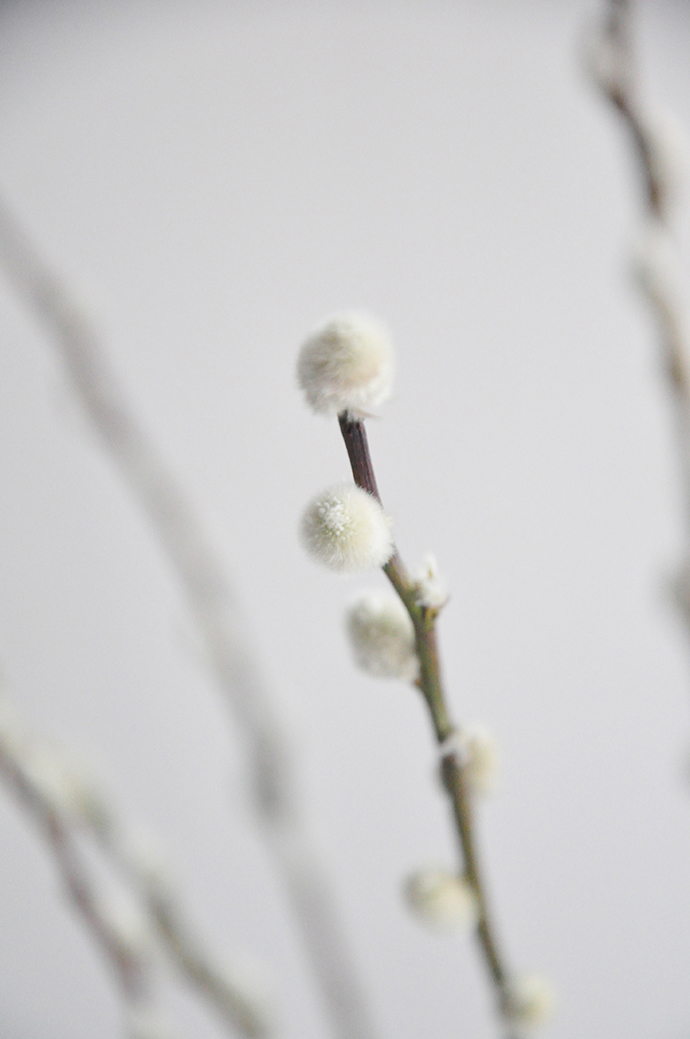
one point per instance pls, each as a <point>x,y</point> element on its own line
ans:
<point>214,178</point>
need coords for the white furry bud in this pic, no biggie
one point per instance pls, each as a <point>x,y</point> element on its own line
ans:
<point>430,588</point>
<point>346,529</point>
<point>346,365</point>
<point>529,1001</point>
<point>442,900</point>
<point>382,636</point>
<point>482,757</point>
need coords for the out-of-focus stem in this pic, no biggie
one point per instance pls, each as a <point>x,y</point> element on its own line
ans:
<point>69,808</point>
<point>218,617</point>
<point>615,44</point>
<point>453,768</point>
<point>131,972</point>
<point>615,40</point>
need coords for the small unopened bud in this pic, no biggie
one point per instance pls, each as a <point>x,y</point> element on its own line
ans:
<point>482,757</point>
<point>382,636</point>
<point>442,900</point>
<point>346,365</point>
<point>529,1001</point>
<point>430,588</point>
<point>346,529</point>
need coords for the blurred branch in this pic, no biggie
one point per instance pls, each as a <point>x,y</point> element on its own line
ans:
<point>36,790</point>
<point>661,151</point>
<point>67,804</point>
<point>218,618</point>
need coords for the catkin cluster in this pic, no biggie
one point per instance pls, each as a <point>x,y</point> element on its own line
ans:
<point>346,365</point>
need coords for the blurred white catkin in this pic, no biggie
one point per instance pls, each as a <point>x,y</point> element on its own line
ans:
<point>381,636</point>
<point>346,364</point>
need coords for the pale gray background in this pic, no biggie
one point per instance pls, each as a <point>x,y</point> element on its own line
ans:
<point>214,178</point>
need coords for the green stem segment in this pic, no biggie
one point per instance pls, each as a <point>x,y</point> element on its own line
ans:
<point>453,770</point>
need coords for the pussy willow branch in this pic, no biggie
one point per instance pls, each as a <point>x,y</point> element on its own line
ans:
<point>614,49</point>
<point>226,993</point>
<point>453,767</point>
<point>130,970</point>
<point>88,812</point>
<point>218,618</point>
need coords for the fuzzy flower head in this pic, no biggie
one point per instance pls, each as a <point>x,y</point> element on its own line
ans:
<point>346,365</point>
<point>382,636</point>
<point>442,900</point>
<point>346,529</point>
<point>529,1001</point>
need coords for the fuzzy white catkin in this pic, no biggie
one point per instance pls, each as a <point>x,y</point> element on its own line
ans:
<point>442,900</point>
<point>346,529</point>
<point>482,757</point>
<point>529,1001</point>
<point>346,365</point>
<point>382,638</point>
